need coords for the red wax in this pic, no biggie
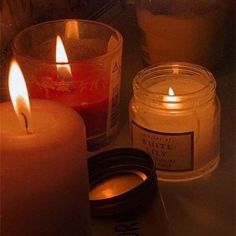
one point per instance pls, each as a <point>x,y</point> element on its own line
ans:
<point>86,91</point>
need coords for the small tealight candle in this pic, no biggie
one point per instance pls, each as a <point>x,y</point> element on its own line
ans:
<point>43,171</point>
<point>82,86</point>
<point>175,116</point>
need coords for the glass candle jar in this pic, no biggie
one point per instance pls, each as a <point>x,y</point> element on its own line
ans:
<point>78,63</point>
<point>175,117</point>
<point>182,30</point>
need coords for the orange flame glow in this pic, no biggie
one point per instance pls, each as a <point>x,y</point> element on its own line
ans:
<point>72,29</point>
<point>64,71</point>
<point>171,92</point>
<point>19,94</point>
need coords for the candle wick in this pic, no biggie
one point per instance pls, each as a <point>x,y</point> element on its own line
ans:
<point>26,123</point>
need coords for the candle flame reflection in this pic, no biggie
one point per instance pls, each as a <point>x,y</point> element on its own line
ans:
<point>64,71</point>
<point>175,69</point>
<point>72,29</point>
<point>19,94</point>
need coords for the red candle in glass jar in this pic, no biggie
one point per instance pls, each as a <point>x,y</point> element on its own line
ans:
<point>82,86</point>
<point>86,90</point>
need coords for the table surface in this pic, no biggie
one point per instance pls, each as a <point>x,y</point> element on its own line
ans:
<point>202,207</point>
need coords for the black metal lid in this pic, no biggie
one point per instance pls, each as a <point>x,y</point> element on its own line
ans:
<point>120,180</point>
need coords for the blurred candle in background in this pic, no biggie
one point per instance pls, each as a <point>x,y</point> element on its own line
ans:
<point>182,30</point>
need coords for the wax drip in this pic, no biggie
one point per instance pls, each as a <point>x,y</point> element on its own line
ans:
<point>26,123</point>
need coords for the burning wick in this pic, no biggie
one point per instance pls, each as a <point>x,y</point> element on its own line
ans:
<point>26,123</point>
<point>171,97</point>
<point>171,92</point>
<point>19,95</point>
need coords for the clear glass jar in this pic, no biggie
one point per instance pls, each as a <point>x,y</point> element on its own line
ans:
<point>175,117</point>
<point>182,30</point>
<point>88,81</point>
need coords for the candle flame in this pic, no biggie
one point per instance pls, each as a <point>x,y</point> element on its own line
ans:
<point>72,29</point>
<point>171,92</point>
<point>19,94</point>
<point>171,98</point>
<point>64,71</point>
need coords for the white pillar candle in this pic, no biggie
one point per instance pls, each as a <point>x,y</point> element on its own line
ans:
<point>181,129</point>
<point>44,187</point>
<point>44,174</point>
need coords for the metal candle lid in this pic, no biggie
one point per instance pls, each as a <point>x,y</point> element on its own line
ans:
<point>120,180</point>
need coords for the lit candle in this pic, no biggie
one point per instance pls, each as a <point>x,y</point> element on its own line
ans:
<point>181,31</point>
<point>44,189</point>
<point>82,86</point>
<point>85,74</point>
<point>179,127</point>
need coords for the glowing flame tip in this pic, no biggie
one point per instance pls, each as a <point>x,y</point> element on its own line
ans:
<point>171,92</point>
<point>17,86</point>
<point>19,94</point>
<point>63,70</point>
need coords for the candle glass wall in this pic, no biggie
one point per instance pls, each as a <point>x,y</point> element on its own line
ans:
<point>14,16</point>
<point>84,74</point>
<point>182,30</point>
<point>175,117</point>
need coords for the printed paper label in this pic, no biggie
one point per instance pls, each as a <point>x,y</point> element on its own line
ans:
<point>114,97</point>
<point>171,151</point>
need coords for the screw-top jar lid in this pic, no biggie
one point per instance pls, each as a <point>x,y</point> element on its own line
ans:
<point>120,180</point>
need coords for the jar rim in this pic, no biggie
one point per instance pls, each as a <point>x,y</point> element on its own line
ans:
<point>206,91</point>
<point>42,61</point>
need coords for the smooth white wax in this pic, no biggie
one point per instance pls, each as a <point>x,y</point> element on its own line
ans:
<point>44,185</point>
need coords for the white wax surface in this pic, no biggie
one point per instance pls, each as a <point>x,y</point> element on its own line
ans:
<point>179,84</point>
<point>44,186</point>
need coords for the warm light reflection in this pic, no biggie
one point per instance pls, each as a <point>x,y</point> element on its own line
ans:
<point>72,29</point>
<point>107,193</point>
<point>64,71</point>
<point>111,43</point>
<point>175,69</point>
<point>19,94</point>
